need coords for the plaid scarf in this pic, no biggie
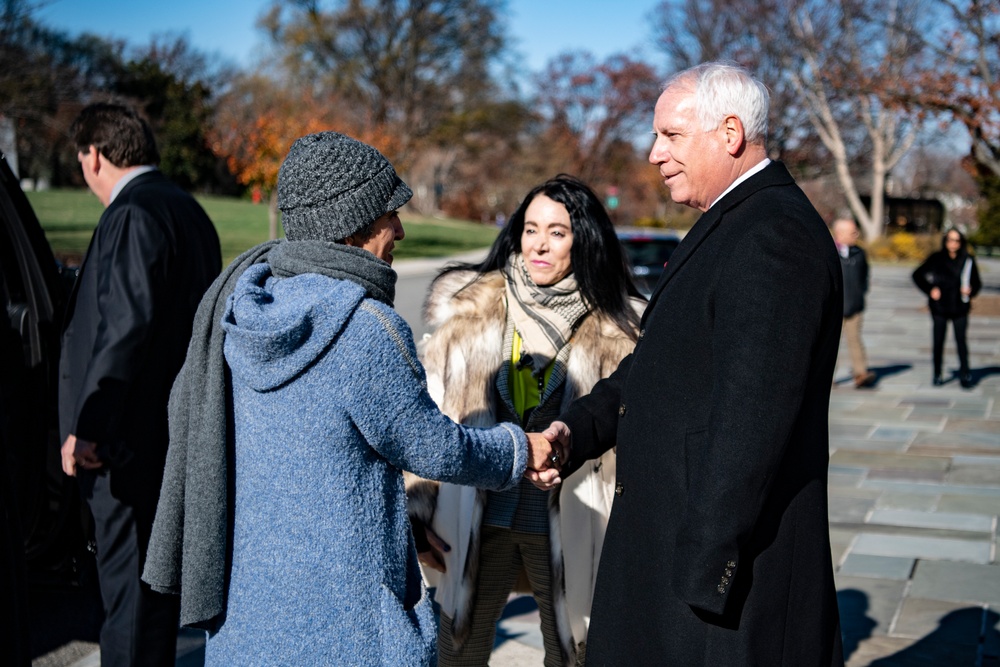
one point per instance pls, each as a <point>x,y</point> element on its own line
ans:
<point>545,317</point>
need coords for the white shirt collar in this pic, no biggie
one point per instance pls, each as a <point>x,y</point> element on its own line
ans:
<point>747,174</point>
<point>127,178</point>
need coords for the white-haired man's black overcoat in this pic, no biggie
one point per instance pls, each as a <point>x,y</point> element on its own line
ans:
<point>718,548</point>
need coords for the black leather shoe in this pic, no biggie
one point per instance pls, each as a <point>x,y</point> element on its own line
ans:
<point>938,381</point>
<point>966,380</point>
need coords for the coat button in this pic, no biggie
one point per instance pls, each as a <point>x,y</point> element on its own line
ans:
<point>621,410</point>
<point>731,563</point>
<point>642,332</point>
<point>619,489</point>
<point>721,588</point>
<point>729,572</point>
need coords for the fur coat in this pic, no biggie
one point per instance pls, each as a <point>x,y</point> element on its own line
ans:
<point>466,361</point>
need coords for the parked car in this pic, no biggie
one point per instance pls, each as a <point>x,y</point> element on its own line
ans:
<point>40,502</point>
<point>648,251</point>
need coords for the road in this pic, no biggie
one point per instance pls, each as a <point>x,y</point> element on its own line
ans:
<point>415,277</point>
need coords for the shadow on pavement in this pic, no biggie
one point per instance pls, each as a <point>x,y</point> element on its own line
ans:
<point>978,374</point>
<point>855,624</point>
<point>885,371</point>
<point>516,606</point>
<point>879,372</point>
<point>963,637</point>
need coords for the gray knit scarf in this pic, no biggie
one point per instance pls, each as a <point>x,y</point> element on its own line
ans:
<point>190,549</point>
<point>544,316</point>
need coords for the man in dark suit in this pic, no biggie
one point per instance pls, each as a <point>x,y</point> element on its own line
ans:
<point>152,256</point>
<point>854,263</point>
<point>718,548</point>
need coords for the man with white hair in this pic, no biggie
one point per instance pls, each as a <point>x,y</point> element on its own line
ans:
<point>718,548</point>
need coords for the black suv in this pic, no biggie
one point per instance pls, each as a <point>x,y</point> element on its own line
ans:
<point>648,251</point>
<point>41,505</point>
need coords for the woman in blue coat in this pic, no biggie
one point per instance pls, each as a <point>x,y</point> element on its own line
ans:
<point>329,406</point>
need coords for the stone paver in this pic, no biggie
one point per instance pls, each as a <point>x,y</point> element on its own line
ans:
<point>934,548</point>
<point>921,519</point>
<point>880,567</point>
<point>957,582</point>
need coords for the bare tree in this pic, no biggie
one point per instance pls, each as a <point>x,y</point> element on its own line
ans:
<point>592,107</point>
<point>848,58</point>
<point>409,64</point>
<point>960,74</point>
<point>748,32</point>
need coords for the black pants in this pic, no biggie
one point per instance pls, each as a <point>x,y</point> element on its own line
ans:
<point>140,625</point>
<point>940,328</point>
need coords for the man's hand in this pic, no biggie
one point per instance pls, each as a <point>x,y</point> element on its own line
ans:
<point>78,452</point>
<point>558,436</point>
<point>546,450</point>
<point>434,557</point>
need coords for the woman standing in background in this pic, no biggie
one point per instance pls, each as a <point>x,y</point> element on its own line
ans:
<point>950,279</point>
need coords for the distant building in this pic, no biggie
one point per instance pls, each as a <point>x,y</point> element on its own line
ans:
<point>914,215</point>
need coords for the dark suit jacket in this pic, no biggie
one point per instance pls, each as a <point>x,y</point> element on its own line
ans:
<point>855,267</point>
<point>718,548</point>
<point>152,256</point>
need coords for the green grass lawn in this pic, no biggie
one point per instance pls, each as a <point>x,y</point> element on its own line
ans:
<point>69,217</point>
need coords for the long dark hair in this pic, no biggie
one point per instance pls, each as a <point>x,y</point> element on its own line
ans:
<point>599,263</point>
<point>963,247</point>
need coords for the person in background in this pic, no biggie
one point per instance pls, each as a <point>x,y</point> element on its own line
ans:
<point>549,312</point>
<point>950,279</point>
<point>283,527</point>
<point>855,265</point>
<point>152,256</point>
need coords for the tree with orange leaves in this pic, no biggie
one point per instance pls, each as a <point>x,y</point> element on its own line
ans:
<point>256,123</point>
<point>259,119</point>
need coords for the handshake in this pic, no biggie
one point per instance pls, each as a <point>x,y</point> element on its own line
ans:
<point>548,452</point>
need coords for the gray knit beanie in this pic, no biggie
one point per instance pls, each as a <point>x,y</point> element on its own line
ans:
<point>332,186</point>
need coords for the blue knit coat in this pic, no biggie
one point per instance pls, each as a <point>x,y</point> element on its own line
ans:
<point>329,407</point>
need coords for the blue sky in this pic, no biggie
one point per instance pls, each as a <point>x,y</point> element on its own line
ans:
<point>540,28</point>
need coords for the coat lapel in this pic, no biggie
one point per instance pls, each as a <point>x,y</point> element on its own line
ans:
<point>773,174</point>
<point>694,238</point>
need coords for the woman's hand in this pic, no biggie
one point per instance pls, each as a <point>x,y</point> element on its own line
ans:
<point>434,556</point>
<point>936,293</point>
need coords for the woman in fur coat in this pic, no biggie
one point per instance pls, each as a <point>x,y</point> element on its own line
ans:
<point>548,313</point>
